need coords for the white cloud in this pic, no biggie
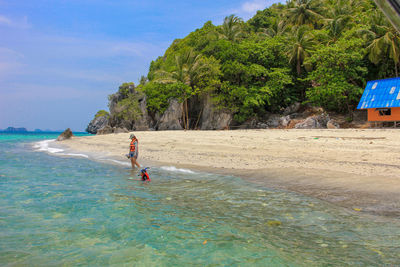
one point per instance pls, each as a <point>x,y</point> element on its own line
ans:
<point>10,62</point>
<point>21,23</point>
<point>73,60</point>
<point>253,6</point>
<point>249,8</point>
<point>5,21</point>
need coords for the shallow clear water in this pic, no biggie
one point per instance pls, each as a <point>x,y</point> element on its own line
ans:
<point>66,210</point>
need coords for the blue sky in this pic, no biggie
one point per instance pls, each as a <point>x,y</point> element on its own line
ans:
<point>60,59</point>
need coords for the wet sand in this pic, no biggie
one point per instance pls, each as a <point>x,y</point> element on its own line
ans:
<point>354,168</point>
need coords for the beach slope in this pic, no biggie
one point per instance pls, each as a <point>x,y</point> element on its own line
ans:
<point>353,168</point>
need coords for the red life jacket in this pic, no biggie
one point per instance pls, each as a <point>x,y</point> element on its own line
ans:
<point>133,147</point>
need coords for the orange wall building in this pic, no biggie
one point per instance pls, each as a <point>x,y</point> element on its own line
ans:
<point>382,100</point>
<point>375,114</point>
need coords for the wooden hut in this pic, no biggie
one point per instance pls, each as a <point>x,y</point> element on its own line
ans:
<point>382,100</point>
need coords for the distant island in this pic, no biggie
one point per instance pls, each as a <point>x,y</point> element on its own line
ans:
<point>24,130</point>
<point>15,130</point>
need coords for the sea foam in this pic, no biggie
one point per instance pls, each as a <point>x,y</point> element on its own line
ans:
<point>175,169</point>
<point>45,146</point>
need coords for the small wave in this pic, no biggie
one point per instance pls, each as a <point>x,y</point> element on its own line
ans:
<point>73,155</point>
<point>175,169</point>
<point>45,146</point>
<point>119,162</point>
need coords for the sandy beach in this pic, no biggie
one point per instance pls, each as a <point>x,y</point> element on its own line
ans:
<point>355,168</point>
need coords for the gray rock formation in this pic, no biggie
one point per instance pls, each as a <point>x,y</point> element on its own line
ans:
<point>261,125</point>
<point>96,124</point>
<point>285,120</point>
<point>109,130</point>
<point>140,122</point>
<point>67,134</point>
<point>105,130</point>
<point>170,120</point>
<point>274,121</point>
<point>292,108</point>
<point>332,124</point>
<point>113,102</point>
<point>143,123</point>
<point>213,118</point>
<point>314,122</point>
<point>120,130</point>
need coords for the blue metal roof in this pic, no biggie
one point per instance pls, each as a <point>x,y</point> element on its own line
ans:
<point>381,94</point>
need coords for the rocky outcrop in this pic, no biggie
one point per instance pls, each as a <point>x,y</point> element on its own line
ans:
<point>143,123</point>
<point>67,134</point>
<point>273,120</point>
<point>109,130</point>
<point>314,122</point>
<point>120,130</point>
<point>295,107</point>
<point>213,118</point>
<point>332,124</point>
<point>140,121</point>
<point>96,124</point>
<point>171,118</point>
<point>285,120</point>
<point>105,130</point>
<point>114,99</point>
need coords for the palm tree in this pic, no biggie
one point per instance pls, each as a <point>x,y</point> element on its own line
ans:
<point>301,45</point>
<point>336,27</point>
<point>277,29</point>
<point>338,17</point>
<point>304,12</point>
<point>339,8</point>
<point>188,69</point>
<point>384,40</point>
<point>231,28</point>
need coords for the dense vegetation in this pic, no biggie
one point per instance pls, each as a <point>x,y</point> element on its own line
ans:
<point>317,51</point>
<point>101,113</point>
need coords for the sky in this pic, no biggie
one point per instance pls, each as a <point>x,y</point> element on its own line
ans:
<point>60,59</point>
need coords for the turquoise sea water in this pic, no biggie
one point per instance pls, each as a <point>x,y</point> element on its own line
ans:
<point>66,210</point>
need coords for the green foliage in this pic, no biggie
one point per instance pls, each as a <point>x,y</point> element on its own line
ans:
<point>128,108</point>
<point>231,29</point>
<point>158,94</point>
<point>101,113</point>
<point>338,75</point>
<point>249,101</point>
<point>262,19</point>
<point>318,51</point>
<point>126,88</point>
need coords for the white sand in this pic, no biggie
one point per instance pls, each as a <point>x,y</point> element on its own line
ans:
<point>350,167</point>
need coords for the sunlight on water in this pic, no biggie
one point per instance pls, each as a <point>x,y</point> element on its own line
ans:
<point>59,210</point>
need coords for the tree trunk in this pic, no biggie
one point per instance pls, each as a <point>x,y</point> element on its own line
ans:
<point>183,116</point>
<point>395,68</point>
<point>187,115</point>
<point>298,67</point>
<point>198,118</point>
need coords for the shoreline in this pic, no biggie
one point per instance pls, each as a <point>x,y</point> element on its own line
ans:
<point>301,162</point>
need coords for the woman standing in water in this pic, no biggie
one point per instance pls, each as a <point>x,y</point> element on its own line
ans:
<point>134,151</point>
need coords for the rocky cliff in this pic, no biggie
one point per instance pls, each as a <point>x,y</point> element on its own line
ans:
<point>97,123</point>
<point>129,112</point>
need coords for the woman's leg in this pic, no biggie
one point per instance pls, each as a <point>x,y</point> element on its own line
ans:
<point>134,162</point>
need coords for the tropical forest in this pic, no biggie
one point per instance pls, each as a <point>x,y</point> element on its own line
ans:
<point>315,52</point>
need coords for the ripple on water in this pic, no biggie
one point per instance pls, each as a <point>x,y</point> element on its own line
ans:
<point>72,211</point>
